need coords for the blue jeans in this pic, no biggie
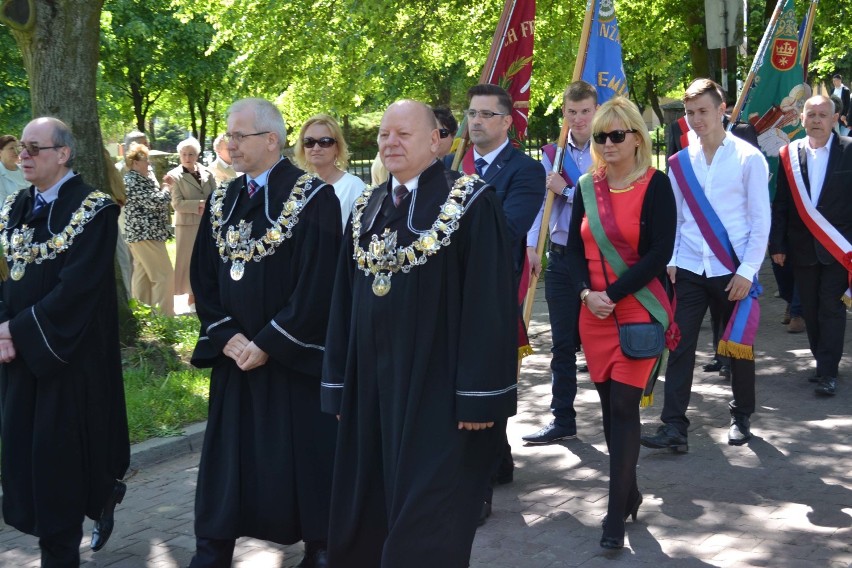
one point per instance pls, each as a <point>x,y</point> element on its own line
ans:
<point>563,304</point>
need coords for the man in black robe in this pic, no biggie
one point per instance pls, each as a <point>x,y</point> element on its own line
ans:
<point>64,422</point>
<point>262,271</point>
<point>420,358</point>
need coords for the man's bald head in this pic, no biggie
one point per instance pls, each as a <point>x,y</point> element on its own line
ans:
<point>408,139</point>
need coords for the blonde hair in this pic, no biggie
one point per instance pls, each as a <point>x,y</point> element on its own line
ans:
<point>135,153</point>
<point>342,160</point>
<point>620,109</point>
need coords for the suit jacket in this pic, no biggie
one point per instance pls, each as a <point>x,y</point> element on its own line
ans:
<point>846,109</point>
<point>519,182</point>
<point>789,235</point>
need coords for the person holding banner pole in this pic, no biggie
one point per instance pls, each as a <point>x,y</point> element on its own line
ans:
<point>621,237</point>
<point>812,230</point>
<point>719,182</point>
<point>579,104</point>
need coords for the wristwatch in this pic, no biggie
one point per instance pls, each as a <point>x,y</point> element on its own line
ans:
<point>584,294</point>
<point>566,192</point>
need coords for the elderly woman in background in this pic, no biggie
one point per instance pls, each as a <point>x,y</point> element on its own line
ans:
<point>146,216</point>
<point>11,176</point>
<point>621,237</point>
<point>321,150</point>
<point>190,185</point>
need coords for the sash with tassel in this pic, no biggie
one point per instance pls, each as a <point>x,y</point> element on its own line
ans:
<point>621,256</point>
<point>468,167</point>
<point>738,339</point>
<point>569,171</point>
<point>823,231</point>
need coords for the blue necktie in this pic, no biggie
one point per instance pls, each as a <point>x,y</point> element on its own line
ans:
<point>253,186</point>
<point>39,204</point>
<point>480,165</point>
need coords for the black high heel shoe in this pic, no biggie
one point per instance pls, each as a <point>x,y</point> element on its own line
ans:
<point>612,543</point>
<point>631,512</point>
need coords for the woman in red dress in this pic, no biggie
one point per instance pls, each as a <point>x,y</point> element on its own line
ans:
<point>637,206</point>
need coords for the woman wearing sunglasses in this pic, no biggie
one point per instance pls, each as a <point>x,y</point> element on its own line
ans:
<point>321,150</point>
<point>11,176</point>
<point>621,237</point>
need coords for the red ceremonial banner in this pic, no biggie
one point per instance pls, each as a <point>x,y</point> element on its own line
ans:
<point>513,65</point>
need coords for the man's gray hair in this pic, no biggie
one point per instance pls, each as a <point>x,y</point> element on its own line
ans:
<point>62,136</point>
<point>266,117</point>
<point>134,136</point>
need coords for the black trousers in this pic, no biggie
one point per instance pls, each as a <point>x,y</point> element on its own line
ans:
<point>820,289</point>
<point>213,553</point>
<point>695,293</point>
<point>61,550</point>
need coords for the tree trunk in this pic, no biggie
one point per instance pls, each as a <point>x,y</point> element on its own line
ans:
<point>60,54</point>
<point>193,126</point>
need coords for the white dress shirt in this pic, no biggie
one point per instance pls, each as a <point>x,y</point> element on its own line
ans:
<point>817,159</point>
<point>490,156</point>
<point>737,185</point>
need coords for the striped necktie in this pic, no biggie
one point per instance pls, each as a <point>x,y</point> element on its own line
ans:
<point>481,163</point>
<point>399,193</point>
<point>39,204</point>
<point>253,186</point>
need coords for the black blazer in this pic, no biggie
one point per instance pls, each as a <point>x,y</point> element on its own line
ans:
<point>658,224</point>
<point>789,235</point>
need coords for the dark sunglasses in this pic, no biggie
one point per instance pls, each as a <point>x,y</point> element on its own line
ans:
<point>33,148</point>
<point>617,136</point>
<point>444,132</point>
<point>324,142</point>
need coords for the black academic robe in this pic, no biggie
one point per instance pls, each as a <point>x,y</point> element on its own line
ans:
<point>266,462</point>
<point>64,422</point>
<point>403,369</point>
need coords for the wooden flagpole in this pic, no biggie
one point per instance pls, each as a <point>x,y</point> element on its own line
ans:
<point>487,70</point>
<point>557,161</point>
<point>806,39</point>
<point>758,60</point>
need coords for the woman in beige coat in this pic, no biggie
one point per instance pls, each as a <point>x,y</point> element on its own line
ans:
<point>190,185</point>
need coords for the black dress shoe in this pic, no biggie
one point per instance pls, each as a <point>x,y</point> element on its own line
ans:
<point>739,433</point>
<point>725,371</point>
<point>815,378</point>
<point>582,368</point>
<point>551,433</point>
<point>827,386</point>
<point>104,525</point>
<point>667,436</point>
<point>484,513</point>
<point>612,543</point>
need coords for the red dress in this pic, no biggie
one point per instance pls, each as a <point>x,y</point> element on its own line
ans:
<point>600,336</point>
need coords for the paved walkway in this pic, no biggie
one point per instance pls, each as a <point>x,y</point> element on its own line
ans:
<point>783,501</point>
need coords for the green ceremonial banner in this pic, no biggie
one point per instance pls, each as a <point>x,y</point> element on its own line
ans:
<point>777,97</point>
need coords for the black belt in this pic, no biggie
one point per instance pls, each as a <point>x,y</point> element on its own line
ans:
<point>558,249</point>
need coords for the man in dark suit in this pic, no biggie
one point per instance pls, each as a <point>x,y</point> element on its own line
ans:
<point>843,92</point>
<point>520,184</point>
<point>814,196</point>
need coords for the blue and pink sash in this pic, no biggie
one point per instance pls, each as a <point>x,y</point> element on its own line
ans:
<point>569,171</point>
<point>738,339</point>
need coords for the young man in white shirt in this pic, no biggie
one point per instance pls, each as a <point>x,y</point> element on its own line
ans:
<point>734,177</point>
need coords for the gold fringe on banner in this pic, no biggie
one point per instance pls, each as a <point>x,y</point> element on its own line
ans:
<point>736,350</point>
<point>647,401</point>
<point>524,351</point>
<point>847,301</point>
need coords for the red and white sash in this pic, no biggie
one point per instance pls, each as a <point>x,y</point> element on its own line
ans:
<point>823,231</point>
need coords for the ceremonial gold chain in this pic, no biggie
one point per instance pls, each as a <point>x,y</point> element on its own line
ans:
<point>19,246</point>
<point>237,245</point>
<point>383,258</point>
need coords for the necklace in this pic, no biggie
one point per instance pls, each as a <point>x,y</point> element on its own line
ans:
<point>625,190</point>
<point>237,245</point>
<point>383,258</point>
<point>19,248</point>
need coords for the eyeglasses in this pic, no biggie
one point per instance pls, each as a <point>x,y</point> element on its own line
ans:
<point>324,142</point>
<point>238,137</point>
<point>444,132</point>
<point>33,148</point>
<point>471,113</point>
<point>617,136</point>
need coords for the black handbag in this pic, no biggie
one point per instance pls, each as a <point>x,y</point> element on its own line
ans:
<point>638,340</point>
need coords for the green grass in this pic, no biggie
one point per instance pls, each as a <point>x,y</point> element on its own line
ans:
<point>163,391</point>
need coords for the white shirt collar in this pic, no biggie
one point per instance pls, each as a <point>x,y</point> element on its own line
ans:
<point>263,178</point>
<point>50,194</point>
<point>492,155</point>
